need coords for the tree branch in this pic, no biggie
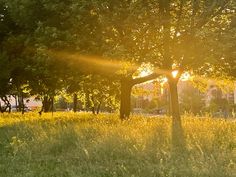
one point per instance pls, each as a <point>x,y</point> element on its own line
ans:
<point>210,16</point>
<point>179,14</point>
<point>144,79</point>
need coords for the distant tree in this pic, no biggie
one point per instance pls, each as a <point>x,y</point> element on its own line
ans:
<point>98,93</point>
<point>191,100</point>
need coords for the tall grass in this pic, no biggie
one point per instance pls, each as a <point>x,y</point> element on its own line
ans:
<point>85,145</point>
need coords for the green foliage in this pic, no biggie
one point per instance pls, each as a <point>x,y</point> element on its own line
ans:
<point>40,41</point>
<point>5,75</point>
<point>191,100</point>
<point>219,107</point>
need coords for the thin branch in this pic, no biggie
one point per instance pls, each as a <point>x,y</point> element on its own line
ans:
<point>211,16</point>
<point>180,12</point>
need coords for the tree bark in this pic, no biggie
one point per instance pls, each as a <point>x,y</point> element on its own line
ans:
<point>1,109</point>
<point>52,104</point>
<point>75,102</point>
<point>19,103</point>
<point>16,103</point>
<point>98,107</point>
<point>178,141</point>
<point>7,105</point>
<point>126,87</point>
<point>93,109</point>
<point>23,105</point>
<point>47,104</point>
<point>125,101</point>
<point>93,105</point>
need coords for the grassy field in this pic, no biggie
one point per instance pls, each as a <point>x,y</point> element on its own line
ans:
<point>85,145</point>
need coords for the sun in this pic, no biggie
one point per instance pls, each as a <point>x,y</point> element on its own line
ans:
<point>186,76</point>
<point>175,73</point>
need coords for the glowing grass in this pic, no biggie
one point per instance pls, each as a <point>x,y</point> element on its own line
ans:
<point>86,145</point>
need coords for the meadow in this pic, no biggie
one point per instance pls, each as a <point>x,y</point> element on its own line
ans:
<point>86,145</point>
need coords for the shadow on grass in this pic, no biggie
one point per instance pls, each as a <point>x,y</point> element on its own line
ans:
<point>103,146</point>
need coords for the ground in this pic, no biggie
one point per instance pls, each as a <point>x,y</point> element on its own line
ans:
<point>86,145</point>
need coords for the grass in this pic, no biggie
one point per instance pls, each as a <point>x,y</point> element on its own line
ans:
<point>85,145</point>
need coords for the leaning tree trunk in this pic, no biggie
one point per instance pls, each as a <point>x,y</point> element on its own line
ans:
<point>125,101</point>
<point>75,102</point>
<point>178,141</point>
<point>6,106</point>
<point>126,88</point>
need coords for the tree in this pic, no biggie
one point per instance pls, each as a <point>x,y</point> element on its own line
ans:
<point>112,30</point>
<point>97,93</point>
<point>191,100</point>
<point>183,41</point>
<point>11,48</point>
<point>41,25</point>
<point>175,36</point>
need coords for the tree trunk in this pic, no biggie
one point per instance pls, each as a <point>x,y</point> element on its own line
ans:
<point>9,108</point>
<point>125,101</point>
<point>46,104</point>
<point>19,103</point>
<point>23,105</point>
<point>7,105</point>
<point>98,107</point>
<point>87,102</point>
<point>92,104</point>
<point>52,105</point>
<point>126,87</point>
<point>1,109</point>
<point>178,141</point>
<point>75,102</point>
<point>93,109</point>
<point>16,103</point>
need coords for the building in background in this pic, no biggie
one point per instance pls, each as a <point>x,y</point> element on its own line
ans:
<point>191,99</point>
<point>31,103</point>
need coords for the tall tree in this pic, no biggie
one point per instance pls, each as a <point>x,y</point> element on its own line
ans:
<point>175,36</point>
<point>179,37</point>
